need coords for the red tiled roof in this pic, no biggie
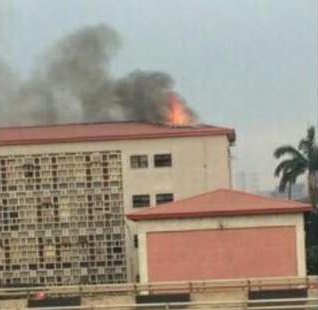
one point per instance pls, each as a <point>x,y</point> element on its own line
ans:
<point>221,202</point>
<point>105,132</point>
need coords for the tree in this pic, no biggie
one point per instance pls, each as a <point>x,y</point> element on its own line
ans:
<point>312,260</point>
<point>289,170</point>
<point>302,160</point>
<point>299,161</point>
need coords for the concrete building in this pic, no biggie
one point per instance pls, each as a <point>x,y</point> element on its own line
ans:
<point>65,188</point>
<point>223,234</point>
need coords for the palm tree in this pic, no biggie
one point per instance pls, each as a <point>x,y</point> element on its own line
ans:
<point>288,176</point>
<point>301,160</point>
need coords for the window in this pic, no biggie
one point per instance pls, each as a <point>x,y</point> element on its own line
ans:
<point>28,170</point>
<point>163,160</point>
<point>139,161</point>
<point>163,198</point>
<point>140,201</point>
<point>136,241</point>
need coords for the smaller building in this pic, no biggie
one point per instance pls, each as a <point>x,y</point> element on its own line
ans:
<point>223,234</point>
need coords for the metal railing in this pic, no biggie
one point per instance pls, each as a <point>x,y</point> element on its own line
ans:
<point>259,284</point>
<point>264,304</point>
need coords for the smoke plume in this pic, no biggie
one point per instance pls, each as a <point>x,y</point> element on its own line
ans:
<point>73,84</point>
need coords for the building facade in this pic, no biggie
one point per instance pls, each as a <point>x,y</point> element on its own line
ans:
<point>64,190</point>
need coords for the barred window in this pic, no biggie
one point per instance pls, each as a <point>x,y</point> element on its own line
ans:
<point>140,201</point>
<point>163,198</point>
<point>139,161</point>
<point>163,160</point>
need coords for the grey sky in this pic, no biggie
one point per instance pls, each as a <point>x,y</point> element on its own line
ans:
<point>247,64</point>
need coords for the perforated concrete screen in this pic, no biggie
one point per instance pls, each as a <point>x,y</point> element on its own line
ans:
<point>61,219</point>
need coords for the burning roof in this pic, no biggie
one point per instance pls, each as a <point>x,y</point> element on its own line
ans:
<point>178,113</point>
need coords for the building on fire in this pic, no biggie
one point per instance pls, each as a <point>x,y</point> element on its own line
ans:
<point>64,190</point>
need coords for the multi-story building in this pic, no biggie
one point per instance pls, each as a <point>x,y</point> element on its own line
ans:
<point>64,190</point>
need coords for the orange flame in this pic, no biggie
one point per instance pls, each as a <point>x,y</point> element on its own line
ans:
<point>178,115</point>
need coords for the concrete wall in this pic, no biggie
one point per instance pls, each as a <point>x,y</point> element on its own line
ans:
<point>114,299</point>
<point>13,304</point>
<point>224,295</point>
<point>224,223</point>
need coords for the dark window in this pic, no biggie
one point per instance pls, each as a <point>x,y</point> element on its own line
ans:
<point>278,294</point>
<point>139,161</point>
<point>163,198</point>
<point>163,160</point>
<point>136,241</point>
<point>28,170</point>
<point>163,298</point>
<point>117,250</point>
<point>113,156</point>
<point>140,201</point>
<point>56,301</point>
<point>67,265</point>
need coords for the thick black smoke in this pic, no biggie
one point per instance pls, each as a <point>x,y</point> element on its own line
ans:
<point>73,84</point>
<point>144,95</point>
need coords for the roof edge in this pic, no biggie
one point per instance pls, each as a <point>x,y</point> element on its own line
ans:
<point>274,199</point>
<point>188,132</point>
<point>203,214</point>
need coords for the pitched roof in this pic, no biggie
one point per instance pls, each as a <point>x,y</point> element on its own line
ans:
<point>105,132</point>
<point>221,202</point>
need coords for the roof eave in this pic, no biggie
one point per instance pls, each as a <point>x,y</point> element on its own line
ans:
<point>230,133</point>
<point>159,216</point>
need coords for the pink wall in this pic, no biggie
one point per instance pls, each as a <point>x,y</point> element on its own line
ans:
<point>221,254</point>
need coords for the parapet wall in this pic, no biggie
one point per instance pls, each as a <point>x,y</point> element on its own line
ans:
<point>199,291</point>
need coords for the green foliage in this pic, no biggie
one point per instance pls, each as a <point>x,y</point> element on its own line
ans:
<point>312,260</point>
<point>301,160</point>
<point>311,227</point>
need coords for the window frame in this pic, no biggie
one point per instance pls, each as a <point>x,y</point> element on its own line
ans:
<point>164,201</point>
<point>139,163</point>
<point>141,205</point>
